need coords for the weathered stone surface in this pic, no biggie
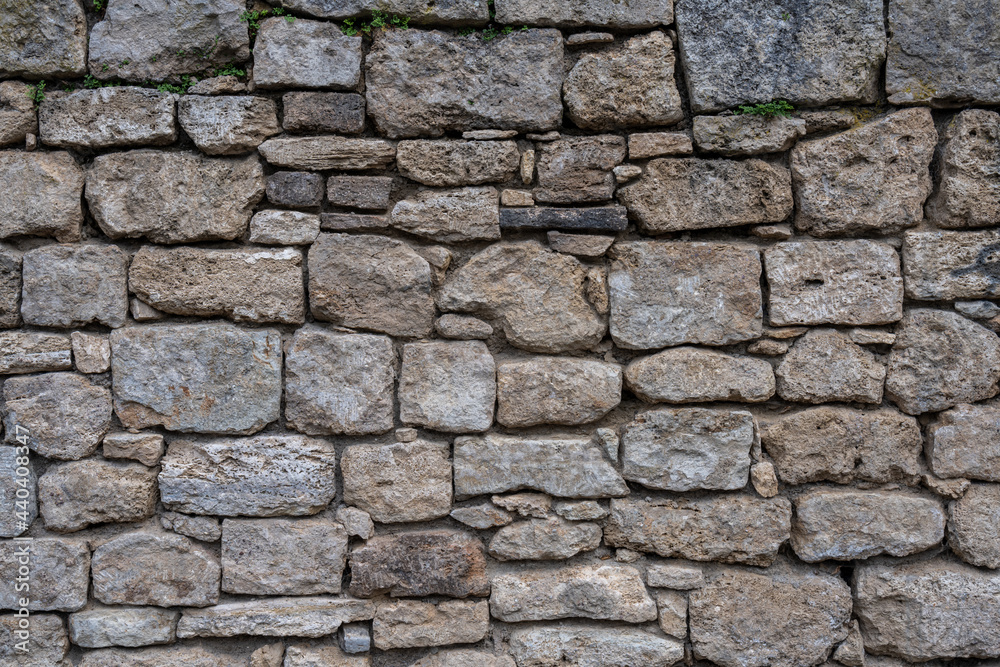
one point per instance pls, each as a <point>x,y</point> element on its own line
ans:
<point>580,510</point>
<point>733,528</point>
<point>439,562</point>
<point>158,39</point>
<point>449,216</point>
<point>209,378</point>
<point>950,265</point>
<point>305,54</point>
<point>839,444</point>
<point>173,197</point>
<point>544,539</point>
<point>364,192</point>
<point>540,297</point>
<point>17,113</point>
<point>23,510</point>
<point>688,448</point>
<point>872,178</point>
<point>787,617</point>
<point>969,190</point>
<point>155,569</point>
<point>462,327</point>
<point>447,12</point>
<point>672,607</point>
<point>294,189</point>
<point>91,352</point>
<point>958,601</point>
<point>580,13</point>
<point>409,623</point>
<point>812,55</point>
<point>268,475</point>
<point>578,169</point>
<point>460,657</point>
<point>584,646</point>
<point>349,222</point>
<point>972,526</point>
<point>322,655</point>
<point>227,125</point>
<point>42,643</point>
<point>243,284</point>
<point>404,481</point>
<point>41,195</point>
<point>565,466</point>
<point>418,84</point>
<point>74,285</point>
<point>605,218</point>
<point>691,193</point>
<point>556,390</point>
<point>581,245</point>
<point>833,282</point>
<point>453,162</point>
<point>447,386</point>
<point>108,118</point>
<point>941,359</point>
<point>607,592</point>
<point>338,113</point>
<point>64,413</point>
<point>691,375</point>
<point>284,228</point>
<point>535,505</point>
<point>78,494</point>
<point>844,524</point>
<point>329,152</point>
<point>942,58</point>
<point>631,85</point>
<point>746,134</point>
<point>670,293</point>
<point>33,352</point>
<point>43,39</point>
<point>481,517</point>
<point>105,626</point>
<point>10,280</point>
<point>965,442</point>
<point>644,145</point>
<point>370,282</point>
<point>356,522</point>
<point>677,576</point>
<point>226,84</point>
<point>274,617</point>
<point>339,383</point>
<point>163,656</point>
<point>59,570</point>
<point>283,556</point>
<point>204,528</point>
<point>824,365</point>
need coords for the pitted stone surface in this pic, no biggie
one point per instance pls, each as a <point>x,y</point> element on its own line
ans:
<point>121,626</point>
<point>556,390</point>
<point>694,375</point>
<point>43,39</point>
<point>108,118</point>
<point>970,171</point>
<point>963,442</point>
<point>41,195</point>
<point>972,526</point>
<point>950,265</point>
<point>409,624</point>
<point>59,581</point>
<point>544,539</point>
<point>580,13</point>
<point>305,54</point>
<point>745,134</point>
<point>78,494</point>
<point>228,125</point>
<point>447,386</point>
<point>824,365</point>
<point>274,617</point>
<point>450,162</point>
<point>450,216</point>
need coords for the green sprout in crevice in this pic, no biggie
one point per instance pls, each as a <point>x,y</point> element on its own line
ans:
<point>493,30</point>
<point>37,92</point>
<point>380,21</point>
<point>772,109</point>
<point>253,18</point>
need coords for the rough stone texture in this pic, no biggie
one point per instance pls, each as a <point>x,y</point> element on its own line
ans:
<point>163,656</point>
<point>447,12</point>
<point>544,539</point>
<point>746,134</point>
<point>668,293</point>
<point>481,517</point>
<point>631,85</point>
<point>958,601</point>
<point>338,113</point>
<point>462,657</point>
<point>972,526</point>
<point>844,524</point>
<point>274,617</point>
<point>329,152</point>
<point>824,365</point>
<point>206,529</point>
<point>108,118</point>
<point>556,390</point>
<point>601,218</point>
<point>17,113</point>
<point>452,162</point>
<point>155,41</point>
<point>173,197</point>
<point>305,54</point>
<point>581,245</point>
<point>78,494</point>
<point>226,84</point>
<point>339,383</point>
<point>440,562</point>
<point>607,592</point>
<point>209,378</point>
<point>282,556</point>
<point>677,576</point>
<point>33,352</point>
<point>227,125</point>
<point>447,386</point>
<point>965,442</point>
<point>41,195</point>
<point>449,216</point>
<point>155,569</point>
<point>644,145</point>
<point>357,523</point>
<point>870,179</point>
<point>404,481</point>
<point>64,413</point>
<point>244,284</point>
<point>578,169</point>
<point>838,444</point>
<point>101,627</point>
<point>969,189</point>
<point>43,39</point>
<point>21,512</point>
<point>587,646</point>
<point>294,189</point>
<point>284,228</point>
<point>712,528</point>
<point>951,265</point>
<point>409,624</point>
<point>462,327</point>
<point>688,448</point>
<point>693,375</point>
<point>364,192</point>
<point>10,281</point>
<point>941,359</point>
<point>561,466</point>
<point>74,285</point>
<point>268,475</point>
<point>370,282</point>
<point>833,282</point>
<point>345,222</point>
<point>812,54</point>
<point>789,617</point>
<point>59,570</point>
<point>672,608</point>
<point>417,82</point>
<point>942,58</point>
<point>581,13</point>
<point>535,505</point>
<point>43,644</point>
<point>91,352</point>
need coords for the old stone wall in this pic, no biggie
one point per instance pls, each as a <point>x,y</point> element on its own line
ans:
<point>534,333</point>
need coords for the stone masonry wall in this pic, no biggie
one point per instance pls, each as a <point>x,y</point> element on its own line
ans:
<point>446,333</point>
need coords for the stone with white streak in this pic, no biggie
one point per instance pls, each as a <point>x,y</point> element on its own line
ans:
<point>577,645</point>
<point>284,228</point>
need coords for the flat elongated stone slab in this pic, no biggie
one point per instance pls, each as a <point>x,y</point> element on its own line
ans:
<point>122,626</point>
<point>108,118</point>
<point>691,375</point>
<point>451,162</point>
<point>409,623</point>
<point>450,216</point>
<point>163,656</point>
<point>41,195</point>
<point>556,390</point>
<point>32,352</point>
<point>573,644</point>
<point>321,153</point>
<point>78,494</point>
<point>544,539</point>
<point>448,12</point>
<point>604,218</point>
<point>274,617</point>
<point>581,13</point>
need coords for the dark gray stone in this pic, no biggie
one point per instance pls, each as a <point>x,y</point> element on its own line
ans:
<point>295,189</point>
<point>613,218</point>
<point>348,222</point>
<point>341,113</point>
<point>365,192</point>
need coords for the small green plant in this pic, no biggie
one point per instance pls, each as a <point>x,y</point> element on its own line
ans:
<point>490,33</point>
<point>105,67</point>
<point>93,82</point>
<point>37,92</point>
<point>767,109</point>
<point>124,63</point>
<point>229,70</point>
<point>785,16</point>
<point>253,18</point>
<point>380,21</point>
<point>99,5</point>
<point>206,52</point>
<point>181,89</point>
